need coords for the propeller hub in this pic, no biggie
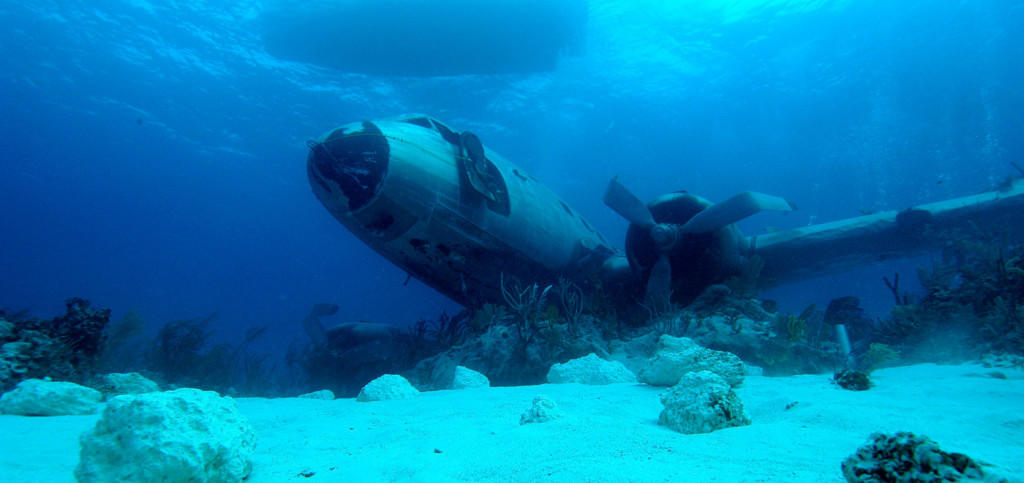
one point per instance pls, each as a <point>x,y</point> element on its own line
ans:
<point>663,235</point>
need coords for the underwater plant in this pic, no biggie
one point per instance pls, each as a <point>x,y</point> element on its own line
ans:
<point>894,287</point>
<point>744,284</point>
<point>674,324</point>
<point>181,355</point>
<point>118,353</point>
<point>904,322</point>
<point>976,289</point>
<point>571,297</point>
<point>487,315</point>
<point>877,355</point>
<point>256,376</point>
<point>599,301</point>
<point>774,351</point>
<point>794,327</point>
<point>81,328</point>
<point>527,304</point>
<point>447,331</point>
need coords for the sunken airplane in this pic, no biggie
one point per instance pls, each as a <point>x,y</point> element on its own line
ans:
<point>461,218</point>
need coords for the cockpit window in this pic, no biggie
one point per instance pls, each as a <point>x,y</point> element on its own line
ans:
<point>419,121</point>
<point>451,136</point>
<point>423,121</point>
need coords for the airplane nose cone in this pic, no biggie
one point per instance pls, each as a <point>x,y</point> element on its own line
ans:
<point>351,161</point>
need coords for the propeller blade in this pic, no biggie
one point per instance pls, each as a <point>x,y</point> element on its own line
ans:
<point>626,204</point>
<point>734,209</point>
<point>314,328</point>
<point>659,283</point>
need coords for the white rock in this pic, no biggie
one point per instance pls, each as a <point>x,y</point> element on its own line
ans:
<point>702,402</point>
<point>677,356</point>
<point>467,378</point>
<point>36,397</point>
<point>388,386</point>
<point>590,370</point>
<point>326,395</point>
<point>117,384</point>
<point>542,411</point>
<point>174,436</point>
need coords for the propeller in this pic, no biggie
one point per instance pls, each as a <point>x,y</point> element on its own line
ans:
<point>627,205</point>
<point>734,209</point>
<point>666,236</point>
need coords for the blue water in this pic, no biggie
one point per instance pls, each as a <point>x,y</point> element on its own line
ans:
<point>152,154</point>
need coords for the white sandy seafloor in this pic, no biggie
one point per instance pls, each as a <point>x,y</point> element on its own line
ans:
<point>610,433</point>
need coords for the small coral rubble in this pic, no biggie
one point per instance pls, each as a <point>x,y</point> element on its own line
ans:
<point>907,457</point>
<point>542,411</point>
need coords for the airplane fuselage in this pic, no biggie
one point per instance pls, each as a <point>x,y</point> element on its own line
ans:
<point>447,210</point>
